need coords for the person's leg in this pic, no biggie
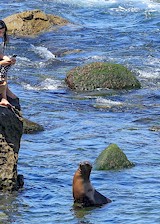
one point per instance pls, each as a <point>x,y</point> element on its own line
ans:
<point>10,93</point>
<point>3,92</point>
<point>13,99</point>
<point>8,98</point>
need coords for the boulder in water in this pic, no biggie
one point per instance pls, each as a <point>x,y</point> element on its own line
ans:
<point>112,158</point>
<point>30,23</point>
<point>101,75</point>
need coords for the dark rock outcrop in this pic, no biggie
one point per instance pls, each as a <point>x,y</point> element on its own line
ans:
<point>112,158</point>
<point>30,127</point>
<point>101,75</point>
<point>30,23</point>
<point>11,127</point>
<point>154,128</point>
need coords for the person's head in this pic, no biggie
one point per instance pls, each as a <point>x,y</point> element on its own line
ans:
<point>3,31</point>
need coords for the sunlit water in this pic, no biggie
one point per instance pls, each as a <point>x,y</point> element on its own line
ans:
<point>78,126</point>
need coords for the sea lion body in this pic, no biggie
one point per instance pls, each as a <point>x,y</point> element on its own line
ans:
<point>83,191</point>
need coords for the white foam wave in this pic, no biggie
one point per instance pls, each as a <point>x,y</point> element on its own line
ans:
<point>123,9</point>
<point>138,4</point>
<point>149,74</point>
<point>43,52</point>
<point>154,61</point>
<point>24,61</point>
<point>108,103</point>
<point>47,84</point>
<point>99,57</point>
<point>86,2</point>
<point>152,70</point>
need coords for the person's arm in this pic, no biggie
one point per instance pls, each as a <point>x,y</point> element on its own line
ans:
<point>12,60</point>
<point>6,61</point>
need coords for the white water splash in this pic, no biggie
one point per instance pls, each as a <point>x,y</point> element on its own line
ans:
<point>149,74</point>
<point>108,103</point>
<point>153,71</point>
<point>43,52</point>
<point>142,4</point>
<point>87,3</point>
<point>47,84</point>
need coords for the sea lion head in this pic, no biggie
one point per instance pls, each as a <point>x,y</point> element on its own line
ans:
<point>85,169</point>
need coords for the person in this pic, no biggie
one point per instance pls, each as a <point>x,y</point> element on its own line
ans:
<point>7,97</point>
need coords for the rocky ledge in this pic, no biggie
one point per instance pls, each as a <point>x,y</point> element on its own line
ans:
<point>11,129</point>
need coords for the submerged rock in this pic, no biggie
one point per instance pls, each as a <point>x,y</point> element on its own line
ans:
<point>4,217</point>
<point>30,127</point>
<point>11,127</point>
<point>101,75</point>
<point>154,128</point>
<point>32,22</point>
<point>112,158</point>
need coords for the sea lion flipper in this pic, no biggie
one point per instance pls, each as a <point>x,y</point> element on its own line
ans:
<point>100,199</point>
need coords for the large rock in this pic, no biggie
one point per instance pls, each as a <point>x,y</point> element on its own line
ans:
<point>30,127</point>
<point>112,158</point>
<point>32,22</point>
<point>11,127</point>
<point>101,75</point>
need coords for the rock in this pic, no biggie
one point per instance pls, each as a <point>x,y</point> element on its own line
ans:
<point>154,128</point>
<point>101,75</point>
<point>30,23</point>
<point>67,52</point>
<point>11,127</point>
<point>3,217</point>
<point>30,127</point>
<point>20,181</point>
<point>112,158</point>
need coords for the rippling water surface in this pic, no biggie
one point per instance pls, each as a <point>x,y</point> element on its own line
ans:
<point>79,126</point>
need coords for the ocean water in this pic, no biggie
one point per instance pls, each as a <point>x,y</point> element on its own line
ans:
<point>78,126</point>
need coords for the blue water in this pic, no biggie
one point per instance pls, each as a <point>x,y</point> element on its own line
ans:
<point>78,126</point>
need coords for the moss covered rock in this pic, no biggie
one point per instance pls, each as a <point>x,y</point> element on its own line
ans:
<point>112,158</point>
<point>101,75</point>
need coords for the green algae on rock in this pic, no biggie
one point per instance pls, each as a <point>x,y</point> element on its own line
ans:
<point>112,158</point>
<point>101,75</point>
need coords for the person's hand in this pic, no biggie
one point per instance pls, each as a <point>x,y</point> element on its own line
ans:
<point>6,61</point>
<point>13,60</point>
<point>6,58</point>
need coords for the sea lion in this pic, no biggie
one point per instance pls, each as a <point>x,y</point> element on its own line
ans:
<point>84,193</point>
